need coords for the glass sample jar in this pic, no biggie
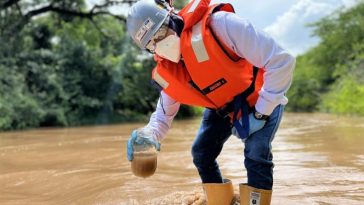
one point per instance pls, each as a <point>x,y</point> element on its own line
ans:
<point>144,161</point>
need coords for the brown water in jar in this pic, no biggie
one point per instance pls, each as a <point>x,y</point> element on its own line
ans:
<point>144,164</point>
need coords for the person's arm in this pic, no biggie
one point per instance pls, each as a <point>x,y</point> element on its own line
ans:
<point>260,50</point>
<point>161,119</point>
<point>159,124</point>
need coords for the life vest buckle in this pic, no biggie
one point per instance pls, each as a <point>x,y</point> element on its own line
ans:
<point>225,111</point>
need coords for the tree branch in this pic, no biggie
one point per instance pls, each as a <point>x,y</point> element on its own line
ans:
<point>8,3</point>
<point>60,8</point>
<point>113,3</point>
<point>19,9</point>
<point>88,15</point>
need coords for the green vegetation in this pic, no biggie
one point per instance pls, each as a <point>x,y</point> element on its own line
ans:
<point>330,76</point>
<point>63,64</point>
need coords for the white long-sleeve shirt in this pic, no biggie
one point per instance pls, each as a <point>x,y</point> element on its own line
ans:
<point>252,44</point>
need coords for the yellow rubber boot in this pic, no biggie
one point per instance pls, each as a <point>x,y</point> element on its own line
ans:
<point>253,196</point>
<point>219,193</point>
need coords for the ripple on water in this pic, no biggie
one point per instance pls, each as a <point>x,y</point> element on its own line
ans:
<point>318,160</point>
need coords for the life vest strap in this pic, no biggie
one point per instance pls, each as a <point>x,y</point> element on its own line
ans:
<point>251,88</point>
<point>229,107</point>
<point>241,105</point>
<point>225,111</point>
<point>156,85</point>
<point>193,84</point>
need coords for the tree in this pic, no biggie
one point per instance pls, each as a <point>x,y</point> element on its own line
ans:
<point>63,64</point>
<point>326,73</point>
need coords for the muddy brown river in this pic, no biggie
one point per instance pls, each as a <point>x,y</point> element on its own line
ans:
<point>319,159</point>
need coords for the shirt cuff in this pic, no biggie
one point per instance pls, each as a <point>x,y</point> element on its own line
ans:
<point>264,106</point>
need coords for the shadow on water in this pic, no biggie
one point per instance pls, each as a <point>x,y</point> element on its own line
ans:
<point>319,160</point>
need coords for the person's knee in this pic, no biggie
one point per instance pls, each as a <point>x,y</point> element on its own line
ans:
<point>196,155</point>
<point>258,151</point>
<point>198,162</point>
<point>202,159</point>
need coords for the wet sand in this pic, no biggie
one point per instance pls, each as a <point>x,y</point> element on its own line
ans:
<point>319,159</point>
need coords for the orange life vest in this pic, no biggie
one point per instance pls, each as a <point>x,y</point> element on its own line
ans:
<point>211,74</point>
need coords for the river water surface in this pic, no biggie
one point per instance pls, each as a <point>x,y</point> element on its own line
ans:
<point>319,159</point>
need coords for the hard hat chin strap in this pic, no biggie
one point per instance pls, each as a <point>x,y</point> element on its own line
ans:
<point>176,23</point>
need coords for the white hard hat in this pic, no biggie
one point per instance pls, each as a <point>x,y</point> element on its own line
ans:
<point>145,18</point>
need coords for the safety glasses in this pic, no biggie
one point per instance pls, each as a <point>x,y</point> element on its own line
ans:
<point>158,36</point>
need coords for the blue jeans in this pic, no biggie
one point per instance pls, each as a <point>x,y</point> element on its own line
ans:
<point>213,133</point>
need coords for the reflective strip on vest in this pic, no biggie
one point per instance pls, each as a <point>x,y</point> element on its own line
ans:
<point>197,43</point>
<point>160,80</point>
<point>194,5</point>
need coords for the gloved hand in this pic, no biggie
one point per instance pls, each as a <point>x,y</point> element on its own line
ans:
<point>254,125</point>
<point>136,138</point>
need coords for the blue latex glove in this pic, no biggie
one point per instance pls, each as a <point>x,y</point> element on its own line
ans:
<point>254,125</point>
<point>135,139</point>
